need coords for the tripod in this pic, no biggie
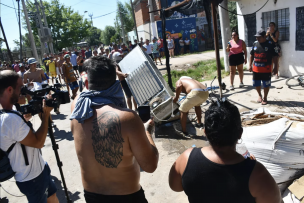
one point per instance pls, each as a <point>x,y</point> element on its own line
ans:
<point>59,163</point>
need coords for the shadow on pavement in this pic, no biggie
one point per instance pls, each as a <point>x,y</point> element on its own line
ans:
<point>292,104</point>
<point>62,134</point>
<point>4,200</point>
<point>59,117</point>
<point>61,193</point>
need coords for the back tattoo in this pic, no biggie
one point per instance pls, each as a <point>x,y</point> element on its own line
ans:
<point>107,140</point>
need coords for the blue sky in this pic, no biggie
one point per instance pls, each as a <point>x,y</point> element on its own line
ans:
<point>97,7</point>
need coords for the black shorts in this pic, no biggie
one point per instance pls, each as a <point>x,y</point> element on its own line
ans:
<point>236,59</point>
<point>47,69</point>
<point>261,76</point>
<point>137,197</point>
<point>187,48</point>
<point>75,67</point>
<point>126,88</point>
<point>80,69</point>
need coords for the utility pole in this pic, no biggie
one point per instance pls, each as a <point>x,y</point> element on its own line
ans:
<point>33,45</point>
<point>46,25</point>
<point>41,36</point>
<point>8,50</point>
<point>152,20</point>
<point>122,26</point>
<point>133,14</point>
<point>20,31</point>
<point>91,15</point>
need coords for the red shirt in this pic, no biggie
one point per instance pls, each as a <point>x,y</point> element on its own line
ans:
<point>83,53</point>
<point>161,43</point>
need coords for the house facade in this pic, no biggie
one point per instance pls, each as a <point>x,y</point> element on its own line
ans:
<point>289,18</point>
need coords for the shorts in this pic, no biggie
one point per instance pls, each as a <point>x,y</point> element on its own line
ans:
<point>171,48</point>
<point>194,98</point>
<point>151,55</point>
<point>156,55</point>
<point>53,74</point>
<point>236,59</point>
<point>137,197</point>
<point>80,69</point>
<point>261,77</point>
<point>40,188</point>
<point>47,68</point>
<point>161,49</point>
<point>57,70</point>
<point>187,47</point>
<point>73,85</point>
<point>75,67</point>
<point>126,88</point>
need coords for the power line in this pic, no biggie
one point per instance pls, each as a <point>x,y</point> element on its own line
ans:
<point>245,14</point>
<point>9,6</point>
<point>104,15</point>
<point>15,12</point>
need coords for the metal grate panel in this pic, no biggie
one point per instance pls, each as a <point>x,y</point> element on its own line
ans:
<point>281,19</point>
<point>138,80</point>
<point>250,29</point>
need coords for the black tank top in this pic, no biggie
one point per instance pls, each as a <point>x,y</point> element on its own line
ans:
<point>273,34</point>
<point>207,182</point>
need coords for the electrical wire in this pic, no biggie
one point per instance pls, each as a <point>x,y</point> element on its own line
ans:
<point>104,15</point>
<point>15,12</point>
<point>245,14</point>
<point>10,193</point>
<point>9,6</point>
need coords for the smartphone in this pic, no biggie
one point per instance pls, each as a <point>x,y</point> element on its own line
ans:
<point>144,113</point>
<point>229,44</point>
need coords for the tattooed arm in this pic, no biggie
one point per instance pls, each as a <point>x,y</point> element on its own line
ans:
<point>141,143</point>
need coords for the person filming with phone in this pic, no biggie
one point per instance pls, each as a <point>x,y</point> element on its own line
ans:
<point>111,141</point>
<point>23,144</point>
<point>237,49</point>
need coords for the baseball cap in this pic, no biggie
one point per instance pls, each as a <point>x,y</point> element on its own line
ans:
<point>117,56</point>
<point>31,61</point>
<point>260,33</point>
<point>66,56</point>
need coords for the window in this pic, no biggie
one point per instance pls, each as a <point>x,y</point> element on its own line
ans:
<point>281,19</point>
<point>250,29</point>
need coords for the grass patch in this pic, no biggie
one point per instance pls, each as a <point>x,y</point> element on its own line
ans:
<point>202,71</point>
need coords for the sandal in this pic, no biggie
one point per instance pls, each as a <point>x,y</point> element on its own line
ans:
<point>199,125</point>
<point>264,102</point>
<point>184,135</point>
<point>260,100</point>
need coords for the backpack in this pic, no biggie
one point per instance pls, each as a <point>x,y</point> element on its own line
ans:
<point>6,171</point>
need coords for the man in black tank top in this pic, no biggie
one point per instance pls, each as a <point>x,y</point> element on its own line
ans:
<point>217,173</point>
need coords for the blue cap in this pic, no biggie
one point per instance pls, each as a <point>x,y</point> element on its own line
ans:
<point>31,61</point>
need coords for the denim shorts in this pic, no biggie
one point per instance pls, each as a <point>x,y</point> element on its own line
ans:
<point>40,188</point>
<point>73,85</point>
<point>156,55</point>
<point>259,78</point>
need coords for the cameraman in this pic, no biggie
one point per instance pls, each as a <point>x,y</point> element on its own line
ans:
<point>34,179</point>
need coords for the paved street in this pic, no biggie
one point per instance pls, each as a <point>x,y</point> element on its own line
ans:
<point>169,145</point>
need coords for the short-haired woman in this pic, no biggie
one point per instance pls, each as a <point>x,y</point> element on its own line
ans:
<point>217,173</point>
<point>273,35</point>
<point>237,49</point>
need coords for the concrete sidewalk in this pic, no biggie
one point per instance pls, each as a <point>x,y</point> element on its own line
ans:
<point>156,185</point>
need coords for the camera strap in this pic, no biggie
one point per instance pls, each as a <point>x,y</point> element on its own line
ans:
<point>22,146</point>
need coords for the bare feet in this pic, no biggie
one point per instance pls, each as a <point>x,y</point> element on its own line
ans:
<point>260,100</point>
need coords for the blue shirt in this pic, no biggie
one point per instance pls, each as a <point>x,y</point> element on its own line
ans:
<point>73,59</point>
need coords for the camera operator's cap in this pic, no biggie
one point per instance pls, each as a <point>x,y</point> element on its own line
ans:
<point>31,61</point>
<point>66,56</point>
<point>260,33</point>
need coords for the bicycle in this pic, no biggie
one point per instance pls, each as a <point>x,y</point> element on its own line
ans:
<point>297,80</point>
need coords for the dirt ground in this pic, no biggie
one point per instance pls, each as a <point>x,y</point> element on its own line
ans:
<point>169,145</point>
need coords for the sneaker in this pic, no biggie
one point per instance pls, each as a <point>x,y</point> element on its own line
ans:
<point>184,135</point>
<point>231,87</point>
<point>199,125</point>
<point>241,85</point>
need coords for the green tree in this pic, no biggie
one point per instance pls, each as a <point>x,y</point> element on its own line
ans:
<point>94,36</point>
<point>124,14</point>
<point>67,26</point>
<point>107,34</point>
<point>233,17</point>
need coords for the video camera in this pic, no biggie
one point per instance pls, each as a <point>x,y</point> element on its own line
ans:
<point>35,105</point>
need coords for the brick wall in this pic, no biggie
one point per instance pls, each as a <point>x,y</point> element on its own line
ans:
<point>142,13</point>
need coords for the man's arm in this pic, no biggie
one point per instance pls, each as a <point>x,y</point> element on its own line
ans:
<point>42,75</point>
<point>119,73</point>
<point>37,139</point>
<point>250,63</point>
<point>141,142</point>
<point>178,90</point>
<point>263,187</point>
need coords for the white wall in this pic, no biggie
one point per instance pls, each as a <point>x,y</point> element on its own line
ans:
<point>144,31</point>
<point>291,62</point>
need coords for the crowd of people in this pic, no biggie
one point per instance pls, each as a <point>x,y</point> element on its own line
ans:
<point>113,144</point>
